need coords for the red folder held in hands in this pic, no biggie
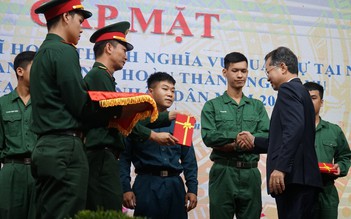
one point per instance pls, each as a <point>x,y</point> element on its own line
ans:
<point>184,129</point>
<point>326,168</point>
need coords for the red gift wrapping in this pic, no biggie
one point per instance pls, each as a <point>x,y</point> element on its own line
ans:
<point>184,129</point>
<point>326,168</point>
<point>125,125</point>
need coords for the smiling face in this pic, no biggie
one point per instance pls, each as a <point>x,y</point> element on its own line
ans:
<point>163,94</point>
<point>236,75</point>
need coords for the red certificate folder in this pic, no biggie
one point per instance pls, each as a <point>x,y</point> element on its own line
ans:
<point>326,168</point>
<point>184,129</point>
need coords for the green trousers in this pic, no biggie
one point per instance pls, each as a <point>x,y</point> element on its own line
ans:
<point>16,190</point>
<point>328,202</point>
<point>234,191</point>
<point>60,169</point>
<point>104,187</point>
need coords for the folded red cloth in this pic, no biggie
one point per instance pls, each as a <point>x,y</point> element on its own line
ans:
<point>125,125</point>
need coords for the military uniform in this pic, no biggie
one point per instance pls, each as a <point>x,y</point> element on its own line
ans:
<point>158,188</point>
<point>103,146</point>
<point>59,102</point>
<point>16,144</point>
<point>331,147</point>
<point>234,179</point>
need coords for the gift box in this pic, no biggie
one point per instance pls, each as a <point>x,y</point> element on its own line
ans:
<point>326,168</point>
<point>184,129</point>
<point>110,99</point>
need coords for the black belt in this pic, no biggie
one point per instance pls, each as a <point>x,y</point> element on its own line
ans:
<point>162,173</point>
<point>237,164</point>
<point>115,152</point>
<point>25,161</point>
<point>69,132</point>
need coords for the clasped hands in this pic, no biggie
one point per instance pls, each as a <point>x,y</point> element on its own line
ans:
<point>244,142</point>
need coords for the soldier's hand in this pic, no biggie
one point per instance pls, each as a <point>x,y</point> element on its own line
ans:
<point>129,200</point>
<point>190,201</point>
<point>245,140</point>
<point>163,138</point>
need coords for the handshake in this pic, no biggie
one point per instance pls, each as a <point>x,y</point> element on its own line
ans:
<point>244,142</point>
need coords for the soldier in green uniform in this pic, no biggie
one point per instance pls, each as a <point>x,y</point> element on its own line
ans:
<point>59,102</point>
<point>103,144</point>
<point>234,179</point>
<point>331,147</point>
<point>60,105</point>
<point>16,144</point>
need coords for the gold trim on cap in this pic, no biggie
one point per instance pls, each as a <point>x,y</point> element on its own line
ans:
<point>120,38</point>
<point>78,7</point>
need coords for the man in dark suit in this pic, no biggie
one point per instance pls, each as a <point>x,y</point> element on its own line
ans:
<point>293,176</point>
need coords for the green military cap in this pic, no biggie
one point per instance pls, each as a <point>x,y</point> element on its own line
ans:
<point>54,8</point>
<point>117,31</point>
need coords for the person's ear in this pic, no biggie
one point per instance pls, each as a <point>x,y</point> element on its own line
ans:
<point>20,71</point>
<point>283,67</point>
<point>224,72</point>
<point>150,91</point>
<point>108,48</point>
<point>66,17</point>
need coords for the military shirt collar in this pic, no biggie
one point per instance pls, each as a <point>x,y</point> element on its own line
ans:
<point>14,96</point>
<point>227,99</point>
<point>55,37</point>
<point>321,124</point>
<point>102,66</point>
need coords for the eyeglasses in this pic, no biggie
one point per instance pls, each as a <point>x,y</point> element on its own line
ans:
<point>267,71</point>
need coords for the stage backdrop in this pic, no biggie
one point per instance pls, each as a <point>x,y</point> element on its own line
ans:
<point>189,39</point>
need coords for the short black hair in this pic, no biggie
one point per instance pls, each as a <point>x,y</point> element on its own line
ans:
<point>315,86</point>
<point>233,57</point>
<point>283,55</point>
<point>23,59</point>
<point>158,77</point>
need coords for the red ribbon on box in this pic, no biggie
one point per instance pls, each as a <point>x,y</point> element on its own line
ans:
<point>326,168</point>
<point>184,129</point>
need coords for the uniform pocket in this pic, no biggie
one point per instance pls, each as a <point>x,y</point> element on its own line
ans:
<point>225,121</point>
<point>12,124</point>
<point>250,123</point>
<point>329,146</point>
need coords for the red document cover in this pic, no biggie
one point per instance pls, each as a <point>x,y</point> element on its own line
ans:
<point>326,168</point>
<point>184,129</point>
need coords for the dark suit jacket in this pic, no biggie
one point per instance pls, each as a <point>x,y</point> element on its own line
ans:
<point>291,137</point>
